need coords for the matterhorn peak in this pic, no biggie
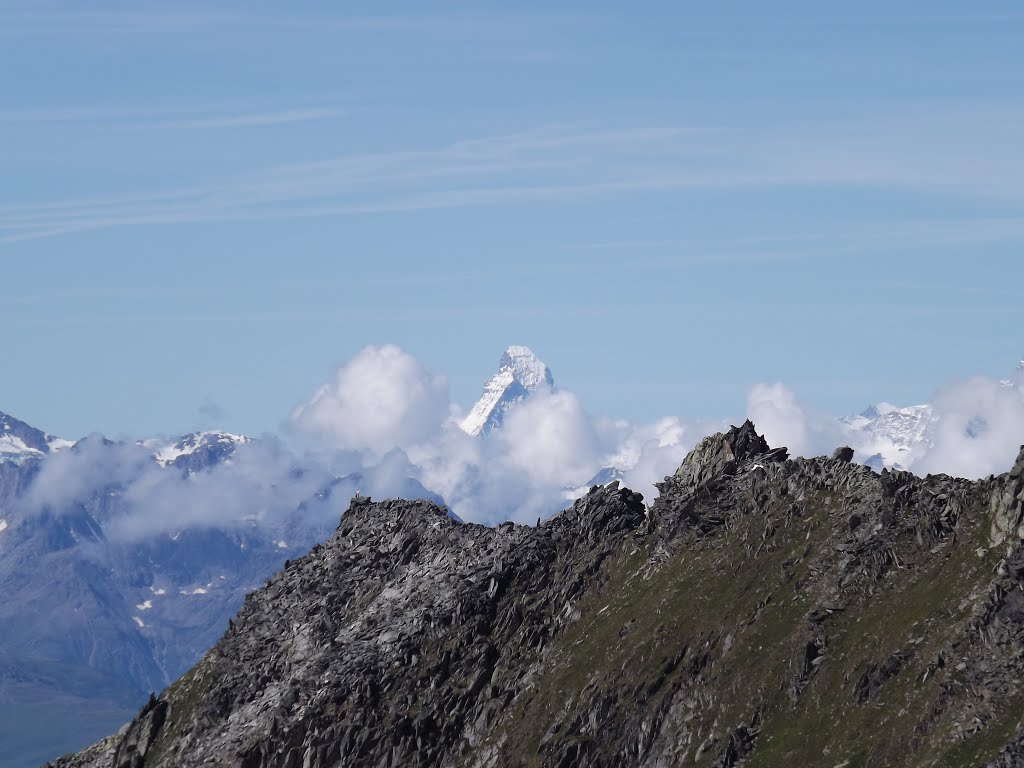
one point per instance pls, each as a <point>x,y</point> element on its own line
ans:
<point>528,369</point>
<point>520,373</point>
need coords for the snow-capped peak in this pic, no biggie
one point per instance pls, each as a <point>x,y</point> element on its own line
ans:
<point>19,441</point>
<point>526,368</point>
<point>878,409</point>
<point>215,442</point>
<point>892,436</point>
<point>520,372</point>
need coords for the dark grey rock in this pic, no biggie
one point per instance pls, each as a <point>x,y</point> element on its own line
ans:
<point>843,453</point>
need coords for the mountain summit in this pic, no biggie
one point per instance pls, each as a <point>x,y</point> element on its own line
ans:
<point>197,450</point>
<point>20,441</point>
<point>520,372</point>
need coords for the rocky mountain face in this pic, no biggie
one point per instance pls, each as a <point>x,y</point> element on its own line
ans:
<point>520,373</point>
<point>764,610</point>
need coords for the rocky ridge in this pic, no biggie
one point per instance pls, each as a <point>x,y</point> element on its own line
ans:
<point>764,610</point>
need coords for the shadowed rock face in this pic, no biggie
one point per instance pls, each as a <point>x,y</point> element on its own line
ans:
<point>779,611</point>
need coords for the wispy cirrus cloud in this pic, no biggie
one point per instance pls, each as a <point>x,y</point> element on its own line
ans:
<point>34,20</point>
<point>167,117</point>
<point>475,171</point>
<point>560,164</point>
<point>282,117</point>
<point>873,236</point>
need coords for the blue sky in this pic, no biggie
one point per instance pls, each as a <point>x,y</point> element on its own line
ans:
<point>219,203</point>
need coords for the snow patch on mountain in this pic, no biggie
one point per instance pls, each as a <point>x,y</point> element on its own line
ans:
<point>14,448</point>
<point>19,441</point>
<point>520,373</point>
<point>189,445</point>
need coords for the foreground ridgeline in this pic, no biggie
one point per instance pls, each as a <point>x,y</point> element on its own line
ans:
<point>776,611</point>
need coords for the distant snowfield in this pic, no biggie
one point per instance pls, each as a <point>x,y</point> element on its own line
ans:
<point>19,441</point>
<point>13,448</point>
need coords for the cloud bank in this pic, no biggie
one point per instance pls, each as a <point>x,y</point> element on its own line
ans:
<point>380,400</point>
<point>384,424</point>
<point>133,497</point>
<point>783,420</point>
<point>548,447</point>
<point>979,429</point>
<point>973,429</point>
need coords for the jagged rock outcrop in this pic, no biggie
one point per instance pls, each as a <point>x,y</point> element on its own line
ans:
<point>843,453</point>
<point>721,454</point>
<point>765,611</point>
<point>1007,505</point>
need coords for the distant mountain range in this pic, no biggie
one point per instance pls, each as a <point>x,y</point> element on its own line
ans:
<point>101,604</point>
<point>121,562</point>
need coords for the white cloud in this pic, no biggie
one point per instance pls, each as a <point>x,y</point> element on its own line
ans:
<point>84,471</point>
<point>550,437</point>
<point>548,444</point>
<point>784,421</point>
<point>385,422</point>
<point>134,497</point>
<point>979,428</point>
<point>382,399</point>
<point>262,484</point>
